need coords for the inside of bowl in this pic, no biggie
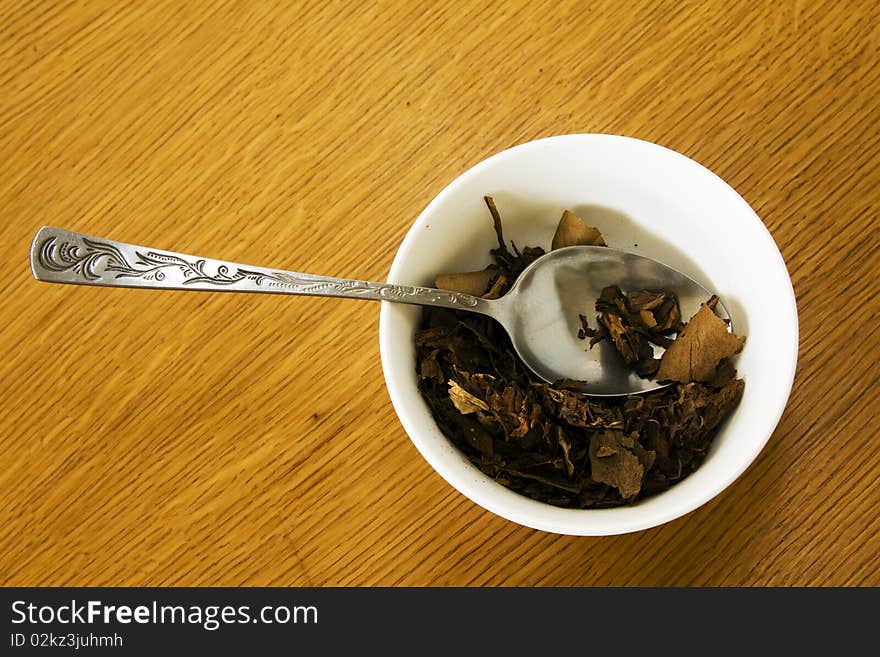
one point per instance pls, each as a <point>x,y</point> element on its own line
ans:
<point>644,199</point>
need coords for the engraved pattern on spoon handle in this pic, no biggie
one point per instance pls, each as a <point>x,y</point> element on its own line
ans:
<point>63,256</point>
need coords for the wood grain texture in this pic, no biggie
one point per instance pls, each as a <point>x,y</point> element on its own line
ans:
<point>180,439</point>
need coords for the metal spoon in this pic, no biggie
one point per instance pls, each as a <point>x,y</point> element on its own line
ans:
<point>540,312</point>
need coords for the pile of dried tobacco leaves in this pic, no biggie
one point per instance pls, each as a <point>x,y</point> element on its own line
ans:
<point>558,446</point>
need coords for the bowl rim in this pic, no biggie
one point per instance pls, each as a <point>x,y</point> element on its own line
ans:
<point>578,524</point>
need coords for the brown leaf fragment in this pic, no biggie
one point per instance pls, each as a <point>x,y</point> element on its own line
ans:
<point>612,463</point>
<point>634,348</point>
<point>646,456</point>
<point>719,405</point>
<point>635,321</point>
<point>584,330</point>
<point>668,316</point>
<point>570,407</point>
<point>474,434</point>
<point>606,450</point>
<point>572,231</point>
<point>699,347</point>
<point>496,221</point>
<point>570,384</point>
<point>549,480</point>
<point>621,338</point>
<point>481,441</point>
<point>498,287</point>
<point>511,264</point>
<point>647,367</point>
<point>638,300</point>
<point>724,373</point>
<point>464,401</point>
<point>430,368</point>
<point>512,410</point>
<point>599,334</point>
<point>474,283</point>
<point>566,451</point>
<point>435,336</point>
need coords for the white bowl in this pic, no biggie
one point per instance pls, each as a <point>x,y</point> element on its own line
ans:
<point>646,199</point>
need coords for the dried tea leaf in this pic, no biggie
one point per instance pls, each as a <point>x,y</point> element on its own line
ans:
<point>474,283</point>
<point>584,330</point>
<point>430,368</point>
<point>634,322</point>
<point>573,231</point>
<point>701,345</point>
<point>498,288</point>
<point>668,316</point>
<point>433,336</point>
<point>717,405</point>
<point>510,264</point>
<point>566,451</point>
<point>473,434</point>
<point>606,450</point>
<point>725,372</point>
<point>614,461</point>
<point>496,221</point>
<point>553,481</point>
<point>639,300</point>
<point>464,401</point>
<point>647,318</point>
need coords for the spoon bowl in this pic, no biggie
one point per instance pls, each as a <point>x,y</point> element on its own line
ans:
<point>541,312</point>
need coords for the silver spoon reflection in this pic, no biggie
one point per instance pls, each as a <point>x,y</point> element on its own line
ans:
<point>540,312</point>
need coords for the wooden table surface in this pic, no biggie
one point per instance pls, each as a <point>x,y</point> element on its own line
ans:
<point>185,439</point>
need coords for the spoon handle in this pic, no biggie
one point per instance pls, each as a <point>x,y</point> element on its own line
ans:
<point>63,256</point>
